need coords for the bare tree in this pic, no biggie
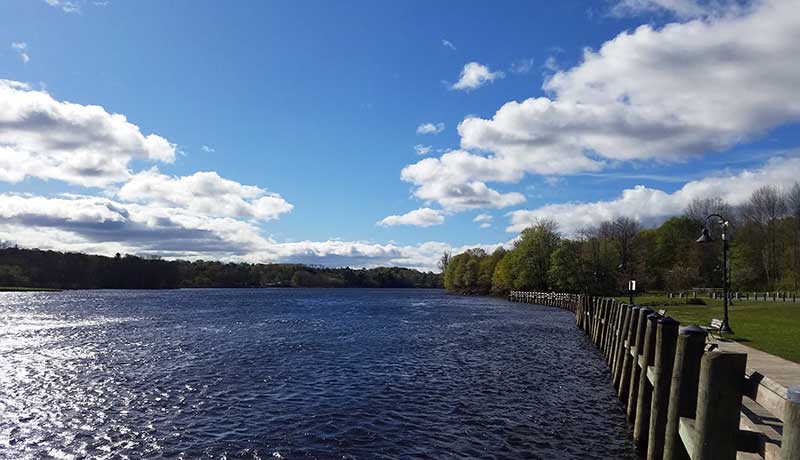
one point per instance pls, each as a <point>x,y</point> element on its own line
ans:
<point>766,207</point>
<point>623,230</point>
<point>793,208</point>
<point>699,208</point>
<point>444,261</point>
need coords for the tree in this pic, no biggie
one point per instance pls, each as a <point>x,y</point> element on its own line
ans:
<point>679,259</point>
<point>793,211</point>
<point>535,246</point>
<point>765,253</point>
<point>444,261</point>
<point>699,208</point>
<point>486,269</point>
<point>566,271</point>
<point>503,276</point>
<point>766,206</point>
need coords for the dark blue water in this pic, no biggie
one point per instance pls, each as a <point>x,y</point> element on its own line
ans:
<point>328,374</point>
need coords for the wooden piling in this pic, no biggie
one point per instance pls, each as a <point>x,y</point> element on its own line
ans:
<point>609,327</point>
<point>641,424</point>
<point>638,350</point>
<point>595,318</point>
<point>790,446</point>
<point>683,389</point>
<point>619,313</point>
<point>620,346</point>
<point>583,320</point>
<point>625,372</point>
<point>719,400</point>
<point>606,325</point>
<point>603,322</point>
<point>612,344</point>
<point>666,341</point>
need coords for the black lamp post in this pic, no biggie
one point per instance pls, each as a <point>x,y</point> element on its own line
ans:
<point>706,237</point>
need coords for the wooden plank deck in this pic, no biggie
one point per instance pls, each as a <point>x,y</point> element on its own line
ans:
<point>777,369</point>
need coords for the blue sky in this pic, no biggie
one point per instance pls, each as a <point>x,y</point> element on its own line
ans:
<point>318,104</point>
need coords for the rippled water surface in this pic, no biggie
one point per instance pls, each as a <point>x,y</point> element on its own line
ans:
<point>345,374</point>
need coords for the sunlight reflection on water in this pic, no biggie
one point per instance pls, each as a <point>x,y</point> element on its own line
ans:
<point>298,373</point>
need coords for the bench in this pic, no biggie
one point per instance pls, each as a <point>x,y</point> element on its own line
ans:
<point>715,326</point>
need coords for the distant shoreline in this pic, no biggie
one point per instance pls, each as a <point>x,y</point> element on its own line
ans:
<point>35,289</point>
<point>27,289</point>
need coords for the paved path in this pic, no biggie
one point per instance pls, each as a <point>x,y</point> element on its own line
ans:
<point>778,369</point>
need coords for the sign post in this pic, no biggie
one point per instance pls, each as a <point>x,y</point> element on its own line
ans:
<point>631,289</point>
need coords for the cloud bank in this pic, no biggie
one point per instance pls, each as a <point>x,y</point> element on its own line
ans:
<point>74,143</point>
<point>652,206</point>
<point>664,94</point>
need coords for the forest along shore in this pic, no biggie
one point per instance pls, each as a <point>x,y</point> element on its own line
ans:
<point>764,236</point>
<point>26,269</point>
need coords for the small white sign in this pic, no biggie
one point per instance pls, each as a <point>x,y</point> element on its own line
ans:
<point>632,285</point>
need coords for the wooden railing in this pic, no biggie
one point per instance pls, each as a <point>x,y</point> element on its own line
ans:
<point>773,296</point>
<point>684,400</point>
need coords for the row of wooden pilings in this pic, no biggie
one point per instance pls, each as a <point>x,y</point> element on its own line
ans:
<point>683,401</point>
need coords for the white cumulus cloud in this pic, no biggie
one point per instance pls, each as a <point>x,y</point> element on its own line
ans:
<point>430,128</point>
<point>204,193</point>
<point>423,217</point>
<point>102,225</point>
<point>652,206</point>
<point>653,94</point>
<point>661,94</point>
<point>81,144</point>
<point>474,75</point>
<point>448,180</point>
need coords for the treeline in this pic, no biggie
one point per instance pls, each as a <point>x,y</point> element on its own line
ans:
<point>764,237</point>
<point>60,270</point>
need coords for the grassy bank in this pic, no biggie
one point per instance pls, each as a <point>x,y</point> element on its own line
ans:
<point>773,327</point>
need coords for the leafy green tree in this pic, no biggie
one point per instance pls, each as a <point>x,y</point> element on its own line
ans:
<point>503,276</point>
<point>535,247</point>
<point>566,270</point>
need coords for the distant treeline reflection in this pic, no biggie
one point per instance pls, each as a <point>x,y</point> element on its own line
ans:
<point>59,270</point>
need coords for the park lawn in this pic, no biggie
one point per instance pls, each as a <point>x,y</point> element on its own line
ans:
<point>773,327</point>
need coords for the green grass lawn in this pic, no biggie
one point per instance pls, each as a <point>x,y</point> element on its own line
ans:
<point>773,327</point>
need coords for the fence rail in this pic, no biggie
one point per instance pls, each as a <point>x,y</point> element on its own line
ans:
<point>774,296</point>
<point>684,400</point>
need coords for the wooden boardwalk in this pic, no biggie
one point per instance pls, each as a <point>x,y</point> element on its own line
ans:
<point>778,370</point>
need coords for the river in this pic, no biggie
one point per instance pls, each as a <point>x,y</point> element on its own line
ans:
<point>299,373</point>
